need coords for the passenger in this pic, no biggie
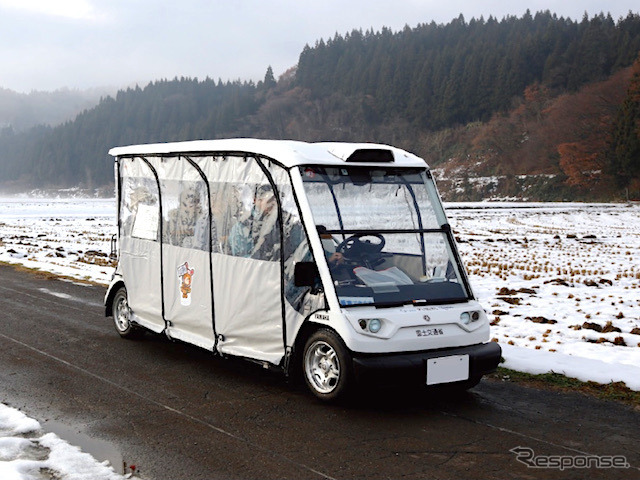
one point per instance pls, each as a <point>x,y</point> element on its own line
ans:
<point>187,225</point>
<point>258,235</point>
<point>219,218</point>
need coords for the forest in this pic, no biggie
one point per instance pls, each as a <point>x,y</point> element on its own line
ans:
<point>536,107</point>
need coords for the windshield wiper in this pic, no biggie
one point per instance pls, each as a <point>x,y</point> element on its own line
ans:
<point>419,302</point>
<point>401,303</point>
<point>416,303</point>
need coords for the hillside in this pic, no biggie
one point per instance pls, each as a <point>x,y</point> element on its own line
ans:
<point>22,111</point>
<point>545,148</point>
<point>543,97</point>
<point>435,76</point>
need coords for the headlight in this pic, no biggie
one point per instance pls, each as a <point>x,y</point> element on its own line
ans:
<point>468,317</point>
<point>375,325</point>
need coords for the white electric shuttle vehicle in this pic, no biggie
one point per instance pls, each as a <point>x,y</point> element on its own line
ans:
<point>332,259</point>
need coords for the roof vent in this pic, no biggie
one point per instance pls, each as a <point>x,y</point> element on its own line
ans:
<point>374,155</point>
<point>362,152</point>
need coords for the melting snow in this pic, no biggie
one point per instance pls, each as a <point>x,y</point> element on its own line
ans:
<point>26,453</point>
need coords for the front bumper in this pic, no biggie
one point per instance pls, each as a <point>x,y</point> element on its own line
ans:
<point>411,367</point>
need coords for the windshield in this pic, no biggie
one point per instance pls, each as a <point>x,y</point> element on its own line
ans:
<point>385,236</point>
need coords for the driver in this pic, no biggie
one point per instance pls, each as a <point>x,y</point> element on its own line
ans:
<point>359,252</point>
<point>334,258</point>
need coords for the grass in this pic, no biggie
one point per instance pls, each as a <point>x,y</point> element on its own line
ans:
<point>51,276</point>
<point>614,391</point>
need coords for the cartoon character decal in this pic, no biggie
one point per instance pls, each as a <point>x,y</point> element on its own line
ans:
<point>185,274</point>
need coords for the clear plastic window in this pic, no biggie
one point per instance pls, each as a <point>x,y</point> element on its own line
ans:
<point>256,233</point>
<point>384,235</point>
<point>185,214</point>
<point>140,210</point>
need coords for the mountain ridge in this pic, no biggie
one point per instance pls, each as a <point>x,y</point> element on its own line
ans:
<point>478,91</point>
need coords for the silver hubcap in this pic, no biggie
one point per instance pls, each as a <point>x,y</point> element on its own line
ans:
<point>121,316</point>
<point>322,367</point>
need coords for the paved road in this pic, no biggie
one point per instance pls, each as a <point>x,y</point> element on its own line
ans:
<point>177,412</point>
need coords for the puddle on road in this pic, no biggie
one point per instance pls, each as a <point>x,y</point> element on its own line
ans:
<point>101,450</point>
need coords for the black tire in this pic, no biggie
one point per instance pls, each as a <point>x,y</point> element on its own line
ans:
<point>326,366</point>
<point>122,316</point>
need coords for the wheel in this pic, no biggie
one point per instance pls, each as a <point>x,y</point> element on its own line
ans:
<point>354,247</point>
<point>122,316</point>
<point>326,365</point>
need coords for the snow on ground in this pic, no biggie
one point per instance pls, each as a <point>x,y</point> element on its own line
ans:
<point>28,453</point>
<point>561,284</point>
<point>69,237</point>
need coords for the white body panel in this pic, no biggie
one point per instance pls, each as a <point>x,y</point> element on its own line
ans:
<point>411,328</point>
<point>188,313</point>
<point>248,307</point>
<point>141,268</point>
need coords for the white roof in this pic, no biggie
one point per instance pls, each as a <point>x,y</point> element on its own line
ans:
<point>288,152</point>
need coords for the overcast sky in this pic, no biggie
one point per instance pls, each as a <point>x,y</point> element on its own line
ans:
<point>51,44</point>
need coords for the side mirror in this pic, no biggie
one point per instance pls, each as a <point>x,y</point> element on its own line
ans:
<point>305,274</point>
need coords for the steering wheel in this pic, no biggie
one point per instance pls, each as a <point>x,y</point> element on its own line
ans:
<point>355,248</point>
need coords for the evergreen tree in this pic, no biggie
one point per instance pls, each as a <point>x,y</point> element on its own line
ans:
<point>624,151</point>
<point>269,80</point>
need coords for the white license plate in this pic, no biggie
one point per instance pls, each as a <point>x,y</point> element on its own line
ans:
<point>447,369</point>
